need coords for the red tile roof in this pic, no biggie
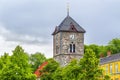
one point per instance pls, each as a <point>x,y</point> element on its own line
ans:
<point>37,72</point>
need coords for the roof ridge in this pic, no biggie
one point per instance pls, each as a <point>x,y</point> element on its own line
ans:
<point>111,58</point>
<point>65,25</point>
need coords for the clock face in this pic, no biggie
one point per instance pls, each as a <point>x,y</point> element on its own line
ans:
<point>72,36</point>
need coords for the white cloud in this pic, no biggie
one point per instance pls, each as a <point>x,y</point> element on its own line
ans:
<point>46,49</point>
<point>21,38</point>
<point>30,22</point>
<point>29,43</point>
<point>6,46</point>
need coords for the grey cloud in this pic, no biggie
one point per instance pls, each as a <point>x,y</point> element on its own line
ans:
<point>24,39</point>
<point>37,18</point>
<point>27,19</point>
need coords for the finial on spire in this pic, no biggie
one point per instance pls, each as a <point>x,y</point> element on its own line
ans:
<point>67,9</point>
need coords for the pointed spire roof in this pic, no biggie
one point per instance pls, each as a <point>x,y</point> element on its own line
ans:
<point>69,25</point>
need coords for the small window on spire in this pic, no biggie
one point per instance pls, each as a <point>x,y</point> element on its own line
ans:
<point>72,27</point>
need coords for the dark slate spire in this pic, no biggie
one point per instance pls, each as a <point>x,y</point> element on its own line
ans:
<point>69,25</point>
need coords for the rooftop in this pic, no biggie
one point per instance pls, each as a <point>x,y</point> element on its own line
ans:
<point>110,58</point>
<point>69,25</point>
<point>37,72</point>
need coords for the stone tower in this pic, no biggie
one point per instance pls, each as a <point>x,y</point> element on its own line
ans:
<point>68,41</point>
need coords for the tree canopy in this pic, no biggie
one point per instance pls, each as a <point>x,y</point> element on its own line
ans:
<point>113,46</point>
<point>86,69</point>
<point>16,67</point>
<point>49,69</point>
<point>90,66</point>
<point>36,60</point>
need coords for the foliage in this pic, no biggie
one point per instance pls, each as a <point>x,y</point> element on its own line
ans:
<point>4,60</point>
<point>89,65</point>
<point>107,77</point>
<point>86,69</point>
<point>57,75</point>
<point>72,71</point>
<point>113,46</point>
<point>49,69</point>
<point>36,60</point>
<point>16,66</point>
<point>94,47</point>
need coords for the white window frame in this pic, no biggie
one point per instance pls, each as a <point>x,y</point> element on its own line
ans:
<point>110,68</point>
<point>116,68</point>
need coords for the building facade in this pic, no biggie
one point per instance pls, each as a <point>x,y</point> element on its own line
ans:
<point>111,65</point>
<point>68,41</point>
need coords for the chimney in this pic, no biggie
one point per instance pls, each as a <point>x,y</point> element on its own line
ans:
<point>108,53</point>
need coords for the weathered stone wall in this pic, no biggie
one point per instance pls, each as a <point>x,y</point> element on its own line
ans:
<point>64,59</point>
<point>62,41</point>
<point>56,44</point>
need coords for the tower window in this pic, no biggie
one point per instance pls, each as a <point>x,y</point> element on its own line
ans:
<point>72,48</point>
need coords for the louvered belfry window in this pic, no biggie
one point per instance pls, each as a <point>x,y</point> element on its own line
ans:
<point>72,48</point>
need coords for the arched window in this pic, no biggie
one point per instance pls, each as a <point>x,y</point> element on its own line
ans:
<point>72,48</point>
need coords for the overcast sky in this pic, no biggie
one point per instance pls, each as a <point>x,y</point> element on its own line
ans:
<point>30,23</point>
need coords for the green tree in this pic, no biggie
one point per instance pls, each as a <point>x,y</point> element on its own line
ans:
<point>49,69</point>
<point>57,75</point>
<point>114,46</point>
<point>87,68</point>
<point>18,68</point>
<point>89,65</point>
<point>4,60</point>
<point>95,48</point>
<point>36,60</point>
<point>71,71</point>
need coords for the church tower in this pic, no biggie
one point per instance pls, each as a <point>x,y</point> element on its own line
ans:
<point>68,41</point>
